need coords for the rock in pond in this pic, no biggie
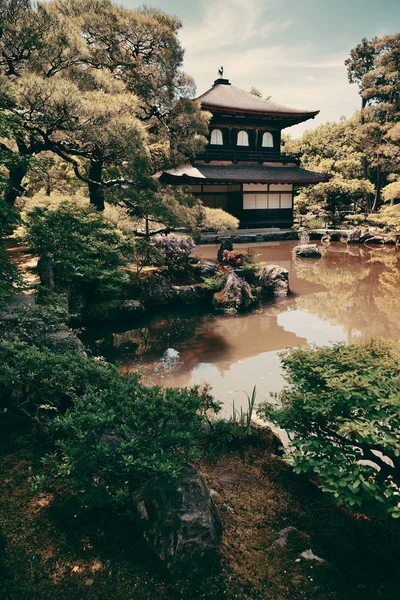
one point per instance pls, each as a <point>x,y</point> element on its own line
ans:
<point>179,521</point>
<point>307,251</point>
<point>235,295</point>
<point>274,281</point>
<point>189,294</point>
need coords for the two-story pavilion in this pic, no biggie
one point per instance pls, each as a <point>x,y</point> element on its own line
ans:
<point>242,170</point>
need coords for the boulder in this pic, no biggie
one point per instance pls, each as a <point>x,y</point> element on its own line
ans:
<point>226,244</point>
<point>274,281</point>
<point>353,237</point>
<point>68,340</point>
<point>378,239</point>
<point>189,294</point>
<point>156,291</point>
<point>132,306</point>
<point>207,268</point>
<point>290,541</point>
<point>235,295</point>
<point>307,251</point>
<point>180,523</point>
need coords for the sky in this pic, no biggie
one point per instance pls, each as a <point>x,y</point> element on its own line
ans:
<point>291,50</point>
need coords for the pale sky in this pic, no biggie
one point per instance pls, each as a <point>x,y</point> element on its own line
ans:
<point>292,50</point>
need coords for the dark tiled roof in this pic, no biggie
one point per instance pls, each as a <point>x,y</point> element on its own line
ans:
<point>199,173</point>
<point>233,98</point>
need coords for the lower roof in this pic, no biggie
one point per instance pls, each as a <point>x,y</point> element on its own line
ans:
<point>230,173</point>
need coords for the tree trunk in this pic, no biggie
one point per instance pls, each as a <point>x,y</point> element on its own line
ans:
<point>96,192</point>
<point>14,188</point>
<point>377,189</point>
<point>365,165</point>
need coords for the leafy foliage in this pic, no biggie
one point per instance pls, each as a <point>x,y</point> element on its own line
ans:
<point>175,251</point>
<point>116,438</point>
<point>216,219</point>
<point>342,411</point>
<point>88,251</point>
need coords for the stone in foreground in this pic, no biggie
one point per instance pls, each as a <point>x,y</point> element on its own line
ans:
<point>179,521</point>
<point>307,251</point>
<point>274,281</point>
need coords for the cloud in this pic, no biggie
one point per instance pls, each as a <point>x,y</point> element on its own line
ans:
<point>252,40</point>
<point>225,24</point>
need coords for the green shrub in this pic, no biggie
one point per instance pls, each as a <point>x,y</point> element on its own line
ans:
<point>342,411</point>
<point>38,381</point>
<point>216,219</point>
<point>215,284</point>
<point>88,251</point>
<point>115,439</point>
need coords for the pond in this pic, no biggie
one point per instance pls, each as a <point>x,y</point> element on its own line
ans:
<point>351,293</point>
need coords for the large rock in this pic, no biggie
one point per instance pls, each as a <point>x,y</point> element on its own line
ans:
<point>179,521</point>
<point>274,281</point>
<point>353,237</point>
<point>157,291</point>
<point>207,268</point>
<point>236,295</point>
<point>307,251</point>
<point>290,541</point>
<point>189,294</point>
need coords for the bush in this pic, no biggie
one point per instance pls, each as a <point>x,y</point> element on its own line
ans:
<point>115,439</point>
<point>216,219</point>
<point>243,260</point>
<point>388,216</point>
<point>146,253</point>
<point>342,411</point>
<point>88,251</point>
<point>174,251</point>
<point>111,433</point>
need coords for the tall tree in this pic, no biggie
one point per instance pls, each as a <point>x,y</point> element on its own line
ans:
<point>108,96</point>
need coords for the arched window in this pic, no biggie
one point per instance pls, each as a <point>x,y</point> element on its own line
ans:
<point>216,137</point>
<point>243,138</point>
<point>267,140</point>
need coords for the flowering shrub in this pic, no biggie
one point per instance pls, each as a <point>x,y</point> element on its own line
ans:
<point>238,258</point>
<point>243,260</point>
<point>174,251</point>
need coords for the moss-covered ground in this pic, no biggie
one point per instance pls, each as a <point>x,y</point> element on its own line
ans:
<point>49,549</point>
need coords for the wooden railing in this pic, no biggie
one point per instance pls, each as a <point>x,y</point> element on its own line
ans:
<point>237,155</point>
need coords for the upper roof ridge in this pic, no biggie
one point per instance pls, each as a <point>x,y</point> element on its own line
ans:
<point>225,95</point>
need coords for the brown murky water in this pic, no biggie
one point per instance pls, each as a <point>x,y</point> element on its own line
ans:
<point>352,292</point>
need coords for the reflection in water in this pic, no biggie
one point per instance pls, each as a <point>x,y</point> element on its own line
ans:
<point>351,292</point>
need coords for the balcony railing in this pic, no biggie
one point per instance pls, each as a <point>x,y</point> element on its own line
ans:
<point>238,155</point>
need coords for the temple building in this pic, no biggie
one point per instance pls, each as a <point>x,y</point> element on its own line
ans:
<point>242,169</point>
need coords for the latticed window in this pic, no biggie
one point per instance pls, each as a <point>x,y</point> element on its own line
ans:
<point>216,137</point>
<point>243,138</point>
<point>267,140</point>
